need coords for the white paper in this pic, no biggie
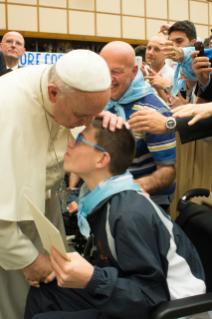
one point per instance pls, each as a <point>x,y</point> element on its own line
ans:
<point>49,234</point>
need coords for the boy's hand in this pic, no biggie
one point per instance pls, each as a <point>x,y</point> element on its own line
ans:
<point>75,273</point>
<point>73,207</point>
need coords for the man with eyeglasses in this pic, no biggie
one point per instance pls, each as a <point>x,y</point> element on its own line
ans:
<point>136,249</point>
<point>39,106</point>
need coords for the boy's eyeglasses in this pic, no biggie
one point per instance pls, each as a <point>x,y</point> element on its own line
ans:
<point>86,142</point>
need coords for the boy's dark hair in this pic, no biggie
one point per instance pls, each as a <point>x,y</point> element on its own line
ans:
<point>120,144</point>
<point>140,51</point>
<point>185,26</point>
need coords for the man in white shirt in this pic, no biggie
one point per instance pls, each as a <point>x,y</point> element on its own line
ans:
<point>12,46</point>
<point>159,74</point>
<point>155,56</point>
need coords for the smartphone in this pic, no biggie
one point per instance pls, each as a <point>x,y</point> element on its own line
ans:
<point>183,93</point>
<point>138,61</point>
<point>199,47</point>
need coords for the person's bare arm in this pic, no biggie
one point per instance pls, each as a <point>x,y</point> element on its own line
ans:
<point>73,180</point>
<point>39,269</point>
<point>163,95</point>
<point>161,179</point>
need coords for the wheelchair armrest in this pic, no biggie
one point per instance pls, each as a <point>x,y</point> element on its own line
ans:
<point>183,307</point>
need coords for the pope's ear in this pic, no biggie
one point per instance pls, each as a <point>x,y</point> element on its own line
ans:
<point>103,160</point>
<point>52,92</point>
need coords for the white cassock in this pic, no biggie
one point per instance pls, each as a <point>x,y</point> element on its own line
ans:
<point>27,166</point>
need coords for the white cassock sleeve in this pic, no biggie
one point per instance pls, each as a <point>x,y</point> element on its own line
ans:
<point>16,250</point>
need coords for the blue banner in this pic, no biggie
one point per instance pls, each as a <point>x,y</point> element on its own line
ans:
<point>36,58</point>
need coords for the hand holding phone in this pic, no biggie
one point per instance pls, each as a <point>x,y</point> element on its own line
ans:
<point>199,47</point>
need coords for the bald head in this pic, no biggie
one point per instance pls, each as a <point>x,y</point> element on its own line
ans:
<point>154,55</point>
<point>13,34</point>
<point>158,39</point>
<point>12,46</point>
<point>120,58</point>
<point>121,50</point>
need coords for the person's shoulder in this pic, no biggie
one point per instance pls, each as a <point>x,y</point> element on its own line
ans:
<point>151,101</point>
<point>130,203</point>
<point>168,68</point>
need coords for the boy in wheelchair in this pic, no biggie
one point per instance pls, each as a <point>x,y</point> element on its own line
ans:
<point>139,259</point>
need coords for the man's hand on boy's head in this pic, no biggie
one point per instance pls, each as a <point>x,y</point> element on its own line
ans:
<point>112,120</point>
<point>75,273</point>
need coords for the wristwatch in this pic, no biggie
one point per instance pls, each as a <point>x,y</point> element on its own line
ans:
<point>170,124</point>
<point>168,89</point>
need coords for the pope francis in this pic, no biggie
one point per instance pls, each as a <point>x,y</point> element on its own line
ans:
<point>38,107</point>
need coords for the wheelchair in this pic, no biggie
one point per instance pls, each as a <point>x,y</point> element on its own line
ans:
<point>196,222</point>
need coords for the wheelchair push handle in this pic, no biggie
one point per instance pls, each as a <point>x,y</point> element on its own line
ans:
<point>196,192</point>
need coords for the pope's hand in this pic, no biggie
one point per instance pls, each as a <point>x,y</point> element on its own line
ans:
<point>39,269</point>
<point>75,273</point>
<point>148,121</point>
<point>34,283</point>
<point>172,52</point>
<point>112,120</point>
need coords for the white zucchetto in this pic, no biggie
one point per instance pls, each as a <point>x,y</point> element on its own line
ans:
<point>84,70</point>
